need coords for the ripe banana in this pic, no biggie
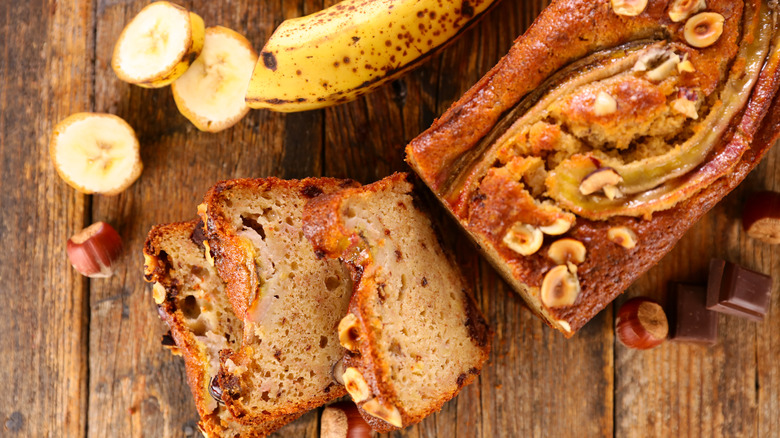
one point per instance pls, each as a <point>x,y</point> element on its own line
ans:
<point>211,93</point>
<point>96,153</point>
<point>158,45</point>
<point>351,48</point>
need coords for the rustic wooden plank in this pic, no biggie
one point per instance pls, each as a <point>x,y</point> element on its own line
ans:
<point>137,388</point>
<point>688,390</point>
<point>45,74</point>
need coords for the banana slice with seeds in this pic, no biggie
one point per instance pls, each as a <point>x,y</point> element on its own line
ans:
<point>211,93</point>
<point>158,45</point>
<point>96,153</point>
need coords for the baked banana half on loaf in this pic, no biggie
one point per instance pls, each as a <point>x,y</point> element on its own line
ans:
<point>413,333</point>
<point>605,133</point>
<point>290,301</point>
<point>191,299</point>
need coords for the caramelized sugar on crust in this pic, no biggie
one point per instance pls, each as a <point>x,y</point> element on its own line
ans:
<point>191,299</point>
<point>290,300</point>
<point>604,120</point>
<point>419,335</point>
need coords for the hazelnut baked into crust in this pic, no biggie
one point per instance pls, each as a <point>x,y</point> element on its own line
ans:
<point>615,124</point>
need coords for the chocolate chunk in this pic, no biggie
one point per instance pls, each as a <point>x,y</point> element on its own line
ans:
<point>692,321</point>
<point>738,291</point>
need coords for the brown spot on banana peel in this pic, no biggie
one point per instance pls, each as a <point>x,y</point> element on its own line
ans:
<point>269,60</point>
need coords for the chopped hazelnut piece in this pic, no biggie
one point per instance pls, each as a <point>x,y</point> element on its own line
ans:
<point>629,8</point>
<point>567,250</point>
<point>666,68</point>
<point>356,385</point>
<point>389,414</point>
<point>604,104</point>
<point>703,30</point>
<point>348,334</point>
<point>685,107</point>
<point>158,293</point>
<point>560,287</point>
<point>623,236</point>
<point>682,9</point>
<point>598,179</point>
<point>524,239</point>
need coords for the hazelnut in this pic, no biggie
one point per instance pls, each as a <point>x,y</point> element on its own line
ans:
<point>665,69</point>
<point>560,287</point>
<point>342,420</point>
<point>567,250</point>
<point>348,332</point>
<point>524,239</point>
<point>560,226</point>
<point>686,107</point>
<point>629,8</point>
<point>703,30</point>
<point>612,192</point>
<point>623,236</point>
<point>389,414</point>
<point>641,324</point>
<point>93,250</point>
<point>604,104</point>
<point>761,217</point>
<point>337,372</point>
<point>158,293</point>
<point>598,179</point>
<point>682,9</point>
<point>356,385</point>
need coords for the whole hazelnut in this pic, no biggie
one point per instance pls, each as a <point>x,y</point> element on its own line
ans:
<point>641,324</point>
<point>93,250</point>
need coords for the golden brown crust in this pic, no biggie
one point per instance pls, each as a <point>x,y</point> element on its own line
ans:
<point>324,225</point>
<point>564,33</point>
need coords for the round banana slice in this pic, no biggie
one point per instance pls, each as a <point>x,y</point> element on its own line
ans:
<point>96,153</point>
<point>158,45</point>
<point>211,93</point>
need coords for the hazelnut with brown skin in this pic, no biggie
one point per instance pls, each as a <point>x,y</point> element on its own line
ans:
<point>342,420</point>
<point>93,250</point>
<point>761,217</point>
<point>641,324</point>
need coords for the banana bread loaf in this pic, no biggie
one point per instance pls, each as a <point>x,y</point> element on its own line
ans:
<point>414,334</point>
<point>607,131</point>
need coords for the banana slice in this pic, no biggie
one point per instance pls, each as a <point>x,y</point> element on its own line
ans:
<point>158,45</point>
<point>211,93</point>
<point>96,153</point>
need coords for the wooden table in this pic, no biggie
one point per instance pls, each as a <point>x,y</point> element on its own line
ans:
<point>83,357</point>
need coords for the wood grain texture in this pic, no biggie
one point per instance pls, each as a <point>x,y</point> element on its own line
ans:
<point>83,358</point>
<point>46,72</point>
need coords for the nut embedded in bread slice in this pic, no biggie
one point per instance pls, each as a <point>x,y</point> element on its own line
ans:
<point>415,335</point>
<point>190,299</point>
<point>290,300</point>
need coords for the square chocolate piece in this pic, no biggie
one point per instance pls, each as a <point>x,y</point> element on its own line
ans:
<point>738,291</point>
<point>692,321</point>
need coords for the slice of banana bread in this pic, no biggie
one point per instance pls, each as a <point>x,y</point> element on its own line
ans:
<point>290,300</point>
<point>414,335</point>
<point>191,300</point>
